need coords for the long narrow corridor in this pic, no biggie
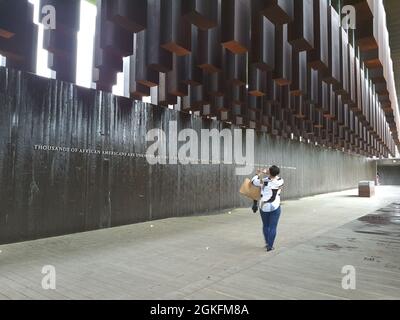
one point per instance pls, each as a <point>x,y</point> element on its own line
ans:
<point>222,256</point>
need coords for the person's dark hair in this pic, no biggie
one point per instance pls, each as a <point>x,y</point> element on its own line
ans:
<point>274,171</point>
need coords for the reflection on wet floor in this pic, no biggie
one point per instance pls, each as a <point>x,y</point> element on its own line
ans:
<point>220,256</point>
<point>384,216</point>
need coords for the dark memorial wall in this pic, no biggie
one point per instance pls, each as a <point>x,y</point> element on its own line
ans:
<point>46,193</point>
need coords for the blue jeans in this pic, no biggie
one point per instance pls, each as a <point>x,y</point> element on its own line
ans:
<point>270,223</point>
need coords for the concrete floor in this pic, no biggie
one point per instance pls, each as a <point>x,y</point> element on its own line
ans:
<point>220,256</point>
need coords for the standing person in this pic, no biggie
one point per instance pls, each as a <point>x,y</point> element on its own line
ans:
<point>270,204</point>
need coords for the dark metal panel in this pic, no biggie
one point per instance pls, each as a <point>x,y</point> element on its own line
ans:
<point>278,11</point>
<point>262,51</point>
<point>282,73</point>
<point>301,30</point>
<point>175,30</point>
<point>18,35</point>
<point>112,43</point>
<point>201,13</point>
<point>128,14</point>
<point>235,25</point>
<point>159,60</point>
<point>141,77</point>
<point>318,57</point>
<point>333,73</point>
<point>343,88</point>
<point>299,74</point>
<point>61,42</point>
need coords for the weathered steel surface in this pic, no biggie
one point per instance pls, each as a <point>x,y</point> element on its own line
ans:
<point>61,42</point>
<point>47,193</point>
<point>18,35</point>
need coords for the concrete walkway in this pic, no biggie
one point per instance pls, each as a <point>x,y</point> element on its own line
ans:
<point>222,256</point>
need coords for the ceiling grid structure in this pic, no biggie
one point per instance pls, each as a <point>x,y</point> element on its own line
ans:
<point>285,67</point>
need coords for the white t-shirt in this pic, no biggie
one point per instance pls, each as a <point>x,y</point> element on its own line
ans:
<point>270,192</point>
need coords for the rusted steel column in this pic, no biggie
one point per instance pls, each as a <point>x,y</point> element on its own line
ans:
<point>318,58</point>
<point>18,35</point>
<point>112,43</point>
<point>62,41</point>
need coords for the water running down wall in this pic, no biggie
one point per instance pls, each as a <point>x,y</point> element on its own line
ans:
<point>48,193</point>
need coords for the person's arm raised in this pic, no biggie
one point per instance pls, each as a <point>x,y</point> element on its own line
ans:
<point>256,181</point>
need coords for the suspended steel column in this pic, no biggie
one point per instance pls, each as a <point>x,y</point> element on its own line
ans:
<point>18,35</point>
<point>235,37</point>
<point>116,23</point>
<point>61,42</point>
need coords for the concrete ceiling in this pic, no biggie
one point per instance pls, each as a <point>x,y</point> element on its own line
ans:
<point>392,8</point>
